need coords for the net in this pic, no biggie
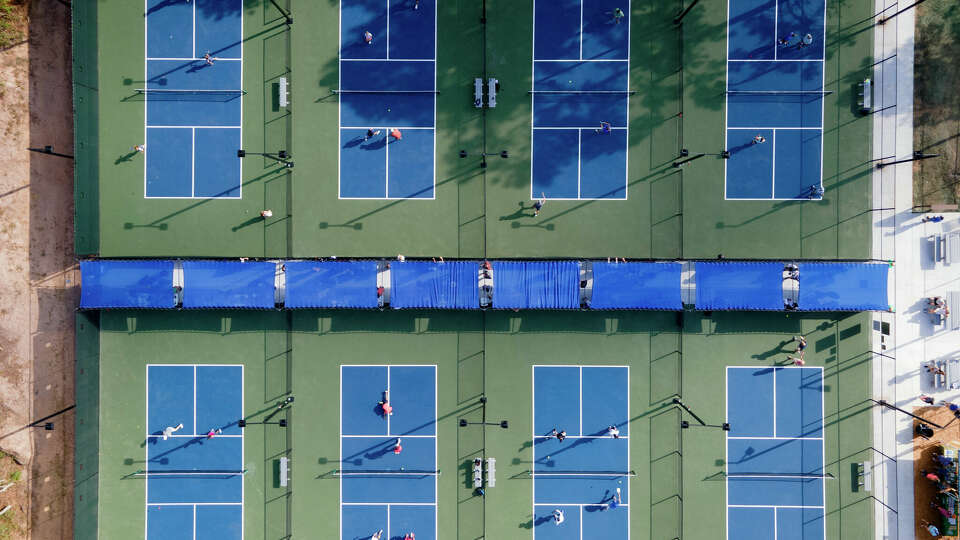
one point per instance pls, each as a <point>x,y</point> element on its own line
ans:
<point>779,92</point>
<point>158,94</point>
<point>385,91</point>
<point>584,474</point>
<point>585,92</point>
<point>394,473</point>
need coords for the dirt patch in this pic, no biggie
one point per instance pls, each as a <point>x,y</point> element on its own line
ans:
<point>38,269</point>
<point>925,491</point>
<point>936,103</point>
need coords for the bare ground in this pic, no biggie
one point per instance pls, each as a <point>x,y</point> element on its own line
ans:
<point>38,272</point>
<point>936,103</point>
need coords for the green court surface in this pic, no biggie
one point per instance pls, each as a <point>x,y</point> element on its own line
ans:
<point>678,472</point>
<point>678,75</point>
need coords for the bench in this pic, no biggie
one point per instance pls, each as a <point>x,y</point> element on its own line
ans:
<point>491,472</point>
<point>938,251</point>
<point>284,471</point>
<point>284,92</point>
<point>478,93</point>
<point>938,381</point>
<point>953,303</point>
<point>477,473</point>
<point>952,367</point>
<point>865,96</point>
<point>492,86</point>
<point>951,248</point>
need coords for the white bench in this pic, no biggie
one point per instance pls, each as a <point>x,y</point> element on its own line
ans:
<point>491,472</point>
<point>952,367</point>
<point>477,473</point>
<point>953,304</point>
<point>284,92</point>
<point>478,93</point>
<point>951,248</point>
<point>492,85</point>
<point>284,471</point>
<point>865,96</point>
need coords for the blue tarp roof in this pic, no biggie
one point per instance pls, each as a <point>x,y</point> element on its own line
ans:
<point>636,286</point>
<point>843,287</point>
<point>739,285</point>
<point>228,284</point>
<point>536,285</point>
<point>331,284</point>
<point>446,285</point>
<point>126,284</point>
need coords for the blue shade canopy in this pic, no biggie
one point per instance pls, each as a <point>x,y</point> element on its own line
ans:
<point>843,287</point>
<point>126,284</point>
<point>636,286</point>
<point>331,284</point>
<point>536,285</point>
<point>739,285</point>
<point>445,285</point>
<point>228,284</point>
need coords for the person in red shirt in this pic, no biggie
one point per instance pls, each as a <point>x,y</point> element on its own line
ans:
<point>397,449</point>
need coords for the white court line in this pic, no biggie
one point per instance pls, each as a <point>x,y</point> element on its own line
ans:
<point>579,176</point>
<point>388,393</point>
<point>771,506</point>
<point>581,58</point>
<point>388,59</point>
<point>771,61</point>
<point>581,367</point>
<point>581,505</point>
<point>774,128</point>
<point>571,128</point>
<point>387,504</point>
<point>146,447</point>
<point>219,59</point>
<point>776,28</point>
<point>194,29</point>
<point>195,522</point>
<point>193,193</point>
<point>533,379</point>
<point>585,60</point>
<point>401,128</point>
<point>388,436</point>
<point>776,438</point>
<point>194,401</point>
<point>774,369</point>
<point>340,478</point>
<point>388,522</point>
<point>194,127</point>
<point>191,436</point>
<point>196,504</point>
<point>581,437</point>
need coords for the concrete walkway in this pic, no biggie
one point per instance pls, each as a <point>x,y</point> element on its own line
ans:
<point>904,340</point>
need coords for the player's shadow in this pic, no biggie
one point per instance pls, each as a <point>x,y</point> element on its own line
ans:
<point>520,213</point>
<point>197,66</point>
<point>246,223</point>
<point>125,157</point>
<point>374,144</point>
<point>542,520</point>
<point>739,148</point>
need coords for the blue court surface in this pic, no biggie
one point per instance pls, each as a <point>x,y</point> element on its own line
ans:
<point>581,66</point>
<point>380,489</point>
<point>581,474</point>
<point>775,454</point>
<point>193,109</point>
<point>386,84</point>
<point>775,84</point>
<point>194,483</point>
